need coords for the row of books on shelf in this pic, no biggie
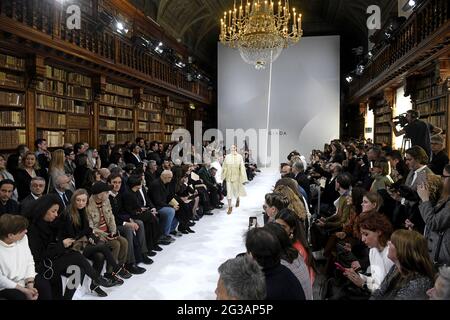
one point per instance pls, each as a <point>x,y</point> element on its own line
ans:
<point>175,120</point>
<point>58,87</point>
<point>79,92</point>
<point>105,137</point>
<point>431,92</point>
<point>51,86</point>
<point>76,78</point>
<point>438,105</point>
<point>176,105</point>
<point>171,128</point>
<point>12,80</point>
<point>122,137</point>
<point>112,112</point>
<point>54,138</point>
<point>151,136</point>
<point>107,124</point>
<point>383,118</point>
<point>168,137</point>
<point>55,73</point>
<point>175,112</point>
<point>12,118</point>
<point>50,119</point>
<point>117,100</point>
<point>382,110</point>
<point>60,104</point>
<point>125,125</point>
<point>151,98</point>
<point>142,115</point>
<point>150,106</point>
<point>383,129</point>
<point>12,62</point>
<point>438,121</point>
<point>149,126</point>
<point>11,99</point>
<point>382,139</point>
<point>12,138</point>
<point>112,88</point>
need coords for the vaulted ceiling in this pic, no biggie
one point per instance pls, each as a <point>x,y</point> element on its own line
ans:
<point>195,23</point>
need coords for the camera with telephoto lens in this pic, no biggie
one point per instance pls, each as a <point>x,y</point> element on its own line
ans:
<point>401,120</point>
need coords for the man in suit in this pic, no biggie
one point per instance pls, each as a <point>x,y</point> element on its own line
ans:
<point>37,187</point>
<point>207,175</point>
<point>8,205</point>
<point>159,194</point>
<point>133,157</point>
<point>298,170</point>
<point>62,189</point>
<point>439,158</point>
<point>416,158</point>
<point>141,143</point>
<point>154,153</point>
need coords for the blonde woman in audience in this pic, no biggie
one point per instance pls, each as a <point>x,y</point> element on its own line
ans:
<point>295,204</point>
<point>93,160</point>
<point>28,169</point>
<point>56,169</point>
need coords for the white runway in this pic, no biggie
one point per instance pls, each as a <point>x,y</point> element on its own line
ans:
<point>187,269</point>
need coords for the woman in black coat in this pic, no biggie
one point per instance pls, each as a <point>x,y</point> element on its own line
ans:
<point>52,254</point>
<point>28,169</point>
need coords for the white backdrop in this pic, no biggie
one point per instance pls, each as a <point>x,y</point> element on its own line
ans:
<point>304,99</point>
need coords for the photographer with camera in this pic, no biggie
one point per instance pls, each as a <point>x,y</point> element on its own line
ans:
<point>415,129</point>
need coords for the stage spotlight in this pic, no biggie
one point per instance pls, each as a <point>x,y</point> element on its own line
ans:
<point>349,79</point>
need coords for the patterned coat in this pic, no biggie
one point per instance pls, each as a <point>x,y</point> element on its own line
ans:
<point>93,214</point>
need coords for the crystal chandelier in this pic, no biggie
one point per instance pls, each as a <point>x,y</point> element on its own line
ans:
<point>260,30</point>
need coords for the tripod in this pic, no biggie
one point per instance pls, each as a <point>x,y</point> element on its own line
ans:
<point>405,142</point>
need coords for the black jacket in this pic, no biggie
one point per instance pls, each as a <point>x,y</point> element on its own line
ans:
<point>117,208</point>
<point>23,181</point>
<point>438,162</point>
<point>80,176</point>
<point>26,206</point>
<point>11,207</point>
<point>69,230</point>
<point>44,242</point>
<point>154,156</point>
<point>159,194</point>
<point>68,194</point>
<point>281,284</point>
<point>303,181</point>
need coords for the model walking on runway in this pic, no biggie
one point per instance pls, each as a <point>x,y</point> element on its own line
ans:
<point>233,171</point>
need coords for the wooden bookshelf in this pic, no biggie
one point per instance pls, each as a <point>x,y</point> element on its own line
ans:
<point>432,102</point>
<point>174,118</point>
<point>116,114</point>
<point>382,114</point>
<point>149,117</point>
<point>12,102</point>
<point>63,103</point>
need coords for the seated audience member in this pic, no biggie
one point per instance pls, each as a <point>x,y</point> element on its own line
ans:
<point>291,258</point>
<point>14,160</point>
<point>56,169</point>
<point>159,194</point>
<point>207,174</point>
<point>187,203</point>
<point>62,189</point>
<point>154,154</point>
<point>18,279</point>
<point>286,171</point>
<point>52,254</point>
<point>75,225</point>
<point>69,162</point>
<point>274,202</point>
<point>105,153</point>
<point>299,194</point>
<point>412,275</point>
<point>148,215</point>
<point>441,289</point>
<point>295,204</point>
<point>399,169</point>
<point>241,278</point>
<point>5,174</point>
<point>380,176</point>
<point>296,232</point>
<point>132,229</point>
<point>151,172</point>
<point>103,224</point>
<point>37,187</point>
<point>104,174</point>
<point>7,204</point>
<point>439,158</point>
<point>28,169</point>
<point>375,230</point>
<point>281,283</point>
<point>133,156</point>
<point>437,220</point>
<point>298,171</point>
<point>93,161</point>
<point>81,171</point>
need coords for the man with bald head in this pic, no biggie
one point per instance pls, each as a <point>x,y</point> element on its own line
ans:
<point>160,196</point>
<point>62,189</point>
